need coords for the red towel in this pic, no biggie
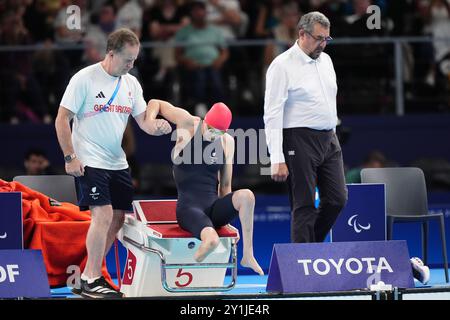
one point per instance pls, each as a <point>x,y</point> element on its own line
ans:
<point>59,229</point>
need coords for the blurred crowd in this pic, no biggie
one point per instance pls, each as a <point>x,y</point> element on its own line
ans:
<point>207,67</point>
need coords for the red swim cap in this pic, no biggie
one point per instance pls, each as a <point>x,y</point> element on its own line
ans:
<point>219,116</point>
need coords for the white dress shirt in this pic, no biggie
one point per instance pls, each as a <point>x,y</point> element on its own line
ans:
<point>300,92</point>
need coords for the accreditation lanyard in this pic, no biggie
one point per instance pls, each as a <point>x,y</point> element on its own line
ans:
<point>93,113</point>
<point>113,95</point>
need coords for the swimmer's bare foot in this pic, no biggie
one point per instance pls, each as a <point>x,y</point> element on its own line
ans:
<point>250,262</point>
<point>206,247</point>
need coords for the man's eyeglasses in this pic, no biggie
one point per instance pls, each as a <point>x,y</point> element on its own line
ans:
<point>319,38</point>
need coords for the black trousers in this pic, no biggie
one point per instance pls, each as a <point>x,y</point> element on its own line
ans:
<point>314,159</point>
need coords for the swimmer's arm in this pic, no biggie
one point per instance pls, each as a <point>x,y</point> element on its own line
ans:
<point>173,114</point>
<point>154,127</point>
<point>226,174</point>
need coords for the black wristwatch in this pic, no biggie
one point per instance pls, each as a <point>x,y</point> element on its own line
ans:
<point>69,157</point>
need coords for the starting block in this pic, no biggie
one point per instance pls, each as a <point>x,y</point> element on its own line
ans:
<point>160,255</point>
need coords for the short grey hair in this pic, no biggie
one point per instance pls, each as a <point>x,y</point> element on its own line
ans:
<point>118,39</point>
<point>307,21</point>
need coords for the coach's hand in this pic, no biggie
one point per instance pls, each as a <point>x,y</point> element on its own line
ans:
<point>160,127</point>
<point>75,168</point>
<point>279,172</point>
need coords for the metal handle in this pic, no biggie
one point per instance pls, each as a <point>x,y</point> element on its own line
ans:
<point>165,266</point>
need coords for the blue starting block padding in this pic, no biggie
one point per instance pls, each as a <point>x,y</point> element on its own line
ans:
<point>338,266</point>
<point>11,233</point>
<point>23,274</point>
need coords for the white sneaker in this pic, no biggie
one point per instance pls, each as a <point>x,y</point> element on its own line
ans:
<point>420,271</point>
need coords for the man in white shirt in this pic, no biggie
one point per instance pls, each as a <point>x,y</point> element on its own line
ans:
<point>99,99</point>
<point>300,120</point>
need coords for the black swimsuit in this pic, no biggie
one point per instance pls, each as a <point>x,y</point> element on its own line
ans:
<point>198,204</point>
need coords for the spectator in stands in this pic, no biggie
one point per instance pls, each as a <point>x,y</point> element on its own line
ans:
<point>436,15</point>
<point>92,51</point>
<point>335,11</point>
<point>228,17</point>
<point>161,22</point>
<point>285,32</point>
<point>64,35</point>
<point>423,94</point>
<point>107,21</point>
<point>129,15</point>
<point>20,92</point>
<point>439,15</point>
<point>52,69</point>
<point>201,59</point>
<point>36,163</point>
<point>95,6</point>
<point>375,159</point>
<point>38,19</point>
<point>164,19</point>
<point>250,8</point>
<point>365,88</point>
<point>401,13</point>
<point>269,16</point>
<point>440,29</point>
